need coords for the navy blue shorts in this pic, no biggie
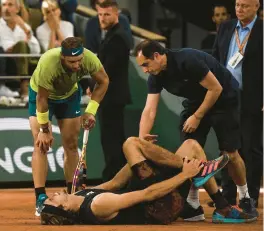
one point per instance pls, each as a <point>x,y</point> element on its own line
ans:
<point>225,122</point>
<point>62,109</point>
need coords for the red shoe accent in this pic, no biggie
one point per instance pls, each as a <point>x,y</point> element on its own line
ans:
<point>237,208</point>
<point>210,168</point>
<point>216,165</point>
<point>204,171</point>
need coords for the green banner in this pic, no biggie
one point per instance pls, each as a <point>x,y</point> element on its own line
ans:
<point>16,147</point>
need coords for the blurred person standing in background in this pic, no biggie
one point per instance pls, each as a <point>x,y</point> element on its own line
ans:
<point>239,46</point>
<point>94,34</point>
<point>114,55</point>
<point>220,14</point>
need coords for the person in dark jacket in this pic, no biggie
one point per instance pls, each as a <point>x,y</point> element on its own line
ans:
<point>239,47</point>
<point>94,33</point>
<point>114,55</point>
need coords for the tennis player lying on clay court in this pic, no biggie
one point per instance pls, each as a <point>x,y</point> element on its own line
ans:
<point>150,189</point>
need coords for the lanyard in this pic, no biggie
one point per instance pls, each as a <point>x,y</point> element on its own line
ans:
<point>241,46</point>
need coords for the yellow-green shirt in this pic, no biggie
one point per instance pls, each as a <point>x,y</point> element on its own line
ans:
<point>50,74</point>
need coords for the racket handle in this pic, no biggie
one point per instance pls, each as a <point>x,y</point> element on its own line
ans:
<point>85,136</point>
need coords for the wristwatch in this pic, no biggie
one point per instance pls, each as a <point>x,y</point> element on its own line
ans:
<point>44,130</point>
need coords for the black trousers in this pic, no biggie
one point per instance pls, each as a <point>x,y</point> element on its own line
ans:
<point>111,119</point>
<point>252,153</point>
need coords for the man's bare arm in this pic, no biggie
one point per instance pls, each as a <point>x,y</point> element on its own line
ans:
<point>148,115</point>
<point>214,90</point>
<point>24,12</point>
<point>104,206</point>
<point>102,81</point>
<point>42,102</point>
<point>119,180</point>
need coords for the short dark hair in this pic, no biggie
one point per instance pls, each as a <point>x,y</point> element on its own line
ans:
<point>107,3</point>
<point>219,5</point>
<point>148,48</point>
<point>51,215</point>
<point>72,42</point>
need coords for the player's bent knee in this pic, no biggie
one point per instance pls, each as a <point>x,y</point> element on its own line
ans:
<point>193,144</point>
<point>131,141</point>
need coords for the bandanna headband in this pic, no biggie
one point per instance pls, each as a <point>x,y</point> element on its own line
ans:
<point>72,51</point>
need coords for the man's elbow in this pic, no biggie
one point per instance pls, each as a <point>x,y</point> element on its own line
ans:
<point>106,82</point>
<point>41,98</point>
<point>103,83</point>
<point>219,89</point>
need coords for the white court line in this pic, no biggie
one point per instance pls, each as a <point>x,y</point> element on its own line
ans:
<point>203,190</point>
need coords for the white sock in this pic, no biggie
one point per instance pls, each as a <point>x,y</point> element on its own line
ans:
<point>193,197</point>
<point>243,191</point>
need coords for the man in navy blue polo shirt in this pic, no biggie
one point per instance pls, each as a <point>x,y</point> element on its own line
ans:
<point>211,100</point>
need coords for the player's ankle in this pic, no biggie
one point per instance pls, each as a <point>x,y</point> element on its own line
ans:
<point>39,190</point>
<point>69,187</point>
<point>219,200</point>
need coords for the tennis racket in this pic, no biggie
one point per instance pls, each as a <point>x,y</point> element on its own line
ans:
<point>79,178</point>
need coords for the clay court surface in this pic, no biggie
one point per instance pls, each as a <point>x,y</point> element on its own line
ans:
<point>17,214</point>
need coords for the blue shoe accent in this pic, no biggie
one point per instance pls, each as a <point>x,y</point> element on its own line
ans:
<point>39,204</point>
<point>231,215</point>
<point>199,181</point>
<point>218,218</point>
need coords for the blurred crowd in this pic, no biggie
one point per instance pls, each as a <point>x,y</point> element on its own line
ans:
<point>32,27</point>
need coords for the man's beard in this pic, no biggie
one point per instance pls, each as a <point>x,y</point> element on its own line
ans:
<point>108,26</point>
<point>65,67</point>
<point>68,69</point>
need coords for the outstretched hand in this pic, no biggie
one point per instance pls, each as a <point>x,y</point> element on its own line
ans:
<point>191,168</point>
